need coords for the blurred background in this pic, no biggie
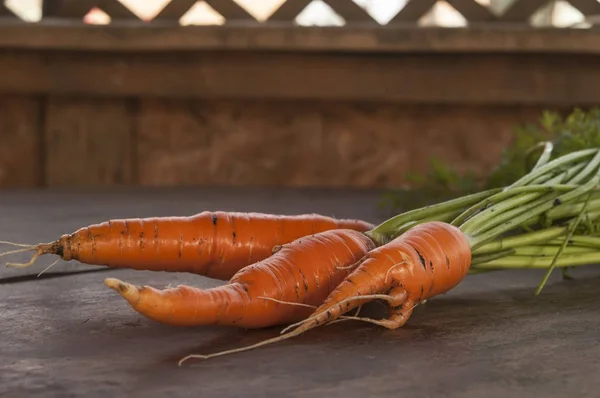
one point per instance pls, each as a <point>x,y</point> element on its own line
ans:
<point>281,93</point>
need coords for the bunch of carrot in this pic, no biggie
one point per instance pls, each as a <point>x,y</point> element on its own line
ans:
<point>309,270</point>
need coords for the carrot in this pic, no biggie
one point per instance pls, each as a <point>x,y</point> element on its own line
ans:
<point>433,257</point>
<point>303,272</point>
<point>282,276</point>
<point>426,261</point>
<point>213,244</point>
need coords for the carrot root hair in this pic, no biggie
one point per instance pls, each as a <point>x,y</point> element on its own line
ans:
<point>287,302</point>
<point>4,242</point>
<point>48,267</point>
<point>365,319</point>
<point>40,249</point>
<point>272,340</point>
<point>284,336</point>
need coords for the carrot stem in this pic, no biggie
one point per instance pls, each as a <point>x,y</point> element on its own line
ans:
<point>550,250</point>
<point>514,262</point>
<point>521,240</point>
<point>384,232</point>
<point>546,153</point>
<point>502,205</point>
<point>562,248</point>
<point>525,213</point>
<point>399,224</point>
<point>486,258</point>
<point>587,241</point>
<point>553,165</point>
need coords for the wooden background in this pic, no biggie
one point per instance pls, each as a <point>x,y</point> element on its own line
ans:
<point>250,102</point>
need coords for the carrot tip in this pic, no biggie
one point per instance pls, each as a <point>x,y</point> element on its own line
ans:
<point>128,291</point>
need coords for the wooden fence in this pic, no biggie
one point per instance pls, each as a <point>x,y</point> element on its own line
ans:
<point>517,11</point>
<point>271,103</point>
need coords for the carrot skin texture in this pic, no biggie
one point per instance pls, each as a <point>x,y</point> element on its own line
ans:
<point>303,271</point>
<point>213,244</point>
<point>428,260</point>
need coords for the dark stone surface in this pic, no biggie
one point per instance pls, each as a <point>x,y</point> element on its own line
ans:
<point>71,336</point>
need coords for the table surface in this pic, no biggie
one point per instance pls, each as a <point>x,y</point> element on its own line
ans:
<point>65,334</point>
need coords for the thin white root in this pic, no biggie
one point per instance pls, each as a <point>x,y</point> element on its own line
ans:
<point>365,319</point>
<point>48,267</point>
<point>288,302</point>
<point>241,349</point>
<point>358,310</point>
<point>282,337</point>
<point>343,317</point>
<point>27,264</point>
<point>15,251</point>
<point>364,297</point>
<point>40,249</point>
<point>362,319</point>
<point>391,268</point>
<point>3,242</point>
<point>354,265</point>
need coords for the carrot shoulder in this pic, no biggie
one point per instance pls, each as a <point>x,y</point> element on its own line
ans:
<point>303,272</point>
<point>213,244</point>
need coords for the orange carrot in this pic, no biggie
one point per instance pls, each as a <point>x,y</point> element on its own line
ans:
<point>303,272</point>
<point>213,244</point>
<point>426,261</point>
<point>433,257</point>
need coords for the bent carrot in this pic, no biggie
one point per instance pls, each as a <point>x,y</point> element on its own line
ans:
<point>302,272</point>
<point>213,244</point>
<point>426,261</point>
<point>433,257</point>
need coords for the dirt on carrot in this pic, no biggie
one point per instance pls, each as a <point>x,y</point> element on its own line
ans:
<point>214,244</point>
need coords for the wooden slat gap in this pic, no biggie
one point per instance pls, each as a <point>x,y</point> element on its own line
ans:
<point>289,10</point>
<point>413,11</point>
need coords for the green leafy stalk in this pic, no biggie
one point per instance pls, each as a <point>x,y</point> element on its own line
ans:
<point>541,262</point>
<point>385,231</point>
<point>522,222</point>
<point>562,248</point>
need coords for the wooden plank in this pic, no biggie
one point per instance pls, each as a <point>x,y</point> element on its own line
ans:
<point>280,37</point>
<point>230,10</point>
<point>487,335</point>
<point>20,138</point>
<point>587,7</point>
<point>301,143</point>
<point>522,10</point>
<point>117,11</point>
<point>174,10</point>
<point>412,11</point>
<point>88,142</point>
<point>50,7</point>
<point>289,10</point>
<point>472,10</point>
<point>79,8</point>
<point>76,9</point>
<point>350,11</point>
<point>421,78</point>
